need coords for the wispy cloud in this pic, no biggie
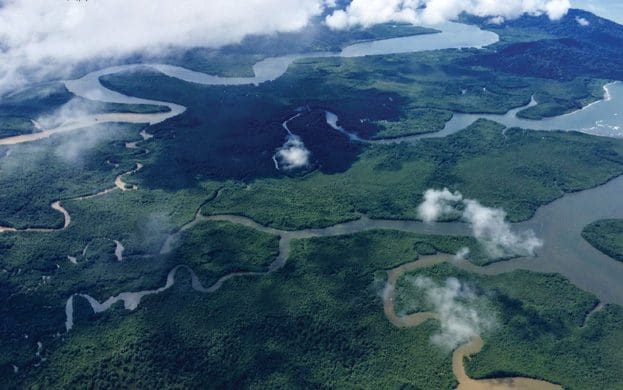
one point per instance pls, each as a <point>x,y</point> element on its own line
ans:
<point>73,110</point>
<point>488,225</point>
<point>461,254</point>
<point>463,314</point>
<point>73,149</point>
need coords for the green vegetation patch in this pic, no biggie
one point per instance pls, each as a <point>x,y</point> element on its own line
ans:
<point>238,127</point>
<point>564,50</point>
<point>607,236</point>
<point>419,121</point>
<point>215,249</point>
<point>542,328</point>
<point>75,164</point>
<point>14,125</point>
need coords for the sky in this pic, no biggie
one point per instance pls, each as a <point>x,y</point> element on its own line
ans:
<point>39,38</point>
<point>610,9</point>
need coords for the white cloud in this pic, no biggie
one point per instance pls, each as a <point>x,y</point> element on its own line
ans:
<point>462,313</point>
<point>369,12</point>
<point>461,254</point>
<point>488,225</point>
<point>556,9</point>
<point>438,204</point>
<point>582,21</point>
<point>497,20</point>
<point>292,155</point>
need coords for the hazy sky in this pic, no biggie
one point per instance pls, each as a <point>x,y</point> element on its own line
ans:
<point>611,9</point>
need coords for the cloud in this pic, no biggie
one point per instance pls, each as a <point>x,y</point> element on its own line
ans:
<point>71,111</point>
<point>462,313</point>
<point>75,148</point>
<point>488,225</point>
<point>582,21</point>
<point>461,254</point>
<point>39,37</point>
<point>497,20</point>
<point>438,204</point>
<point>151,231</point>
<point>490,228</point>
<point>72,149</point>
<point>370,12</point>
<point>292,155</point>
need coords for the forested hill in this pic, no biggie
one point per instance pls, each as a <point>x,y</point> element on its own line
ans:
<point>579,45</point>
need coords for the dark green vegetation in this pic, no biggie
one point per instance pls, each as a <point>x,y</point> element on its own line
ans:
<point>36,100</point>
<point>75,165</point>
<point>375,97</point>
<point>215,249</point>
<point>38,277</point>
<point>607,236</point>
<point>45,98</point>
<point>421,120</point>
<point>11,126</point>
<point>543,331</point>
<point>550,104</point>
<point>17,110</point>
<point>562,50</point>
